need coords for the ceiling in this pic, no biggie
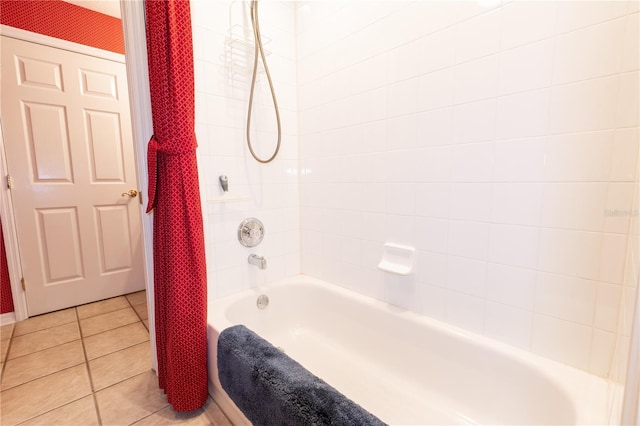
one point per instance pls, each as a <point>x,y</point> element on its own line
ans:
<point>108,7</point>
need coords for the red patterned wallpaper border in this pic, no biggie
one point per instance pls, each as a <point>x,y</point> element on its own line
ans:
<point>66,21</point>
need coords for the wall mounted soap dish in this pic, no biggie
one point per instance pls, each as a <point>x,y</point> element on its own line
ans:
<point>397,259</point>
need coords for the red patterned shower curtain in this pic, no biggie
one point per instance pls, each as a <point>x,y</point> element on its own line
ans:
<point>178,240</point>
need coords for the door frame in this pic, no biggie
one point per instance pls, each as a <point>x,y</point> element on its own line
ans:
<point>133,23</point>
<point>135,44</point>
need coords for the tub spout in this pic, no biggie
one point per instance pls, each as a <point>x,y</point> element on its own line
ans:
<point>259,261</point>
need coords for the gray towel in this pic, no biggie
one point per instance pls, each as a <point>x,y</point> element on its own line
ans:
<point>272,389</point>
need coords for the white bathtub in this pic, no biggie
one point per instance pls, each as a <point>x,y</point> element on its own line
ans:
<point>406,368</point>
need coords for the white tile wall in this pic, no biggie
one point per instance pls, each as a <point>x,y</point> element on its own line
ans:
<point>222,84</point>
<point>526,67</point>
<point>466,275</point>
<point>500,141</point>
<point>514,245</point>
<point>464,311</point>
<point>511,286</point>
<point>587,53</point>
<point>562,340</point>
<point>580,14</point>
<point>522,115</point>
<point>509,324</point>
<point>572,299</point>
<point>526,22</point>
<point>573,109</point>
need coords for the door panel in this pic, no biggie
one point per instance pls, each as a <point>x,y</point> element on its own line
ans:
<point>70,154</point>
<point>59,237</point>
<point>105,145</point>
<point>99,84</point>
<point>115,243</point>
<point>45,130</point>
<point>37,73</point>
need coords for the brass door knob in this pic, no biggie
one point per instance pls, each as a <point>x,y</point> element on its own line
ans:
<point>131,193</point>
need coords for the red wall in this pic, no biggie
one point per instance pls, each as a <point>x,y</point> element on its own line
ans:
<point>6,301</point>
<point>67,21</point>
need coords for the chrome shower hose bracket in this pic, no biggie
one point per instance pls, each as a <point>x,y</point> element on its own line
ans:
<point>250,232</point>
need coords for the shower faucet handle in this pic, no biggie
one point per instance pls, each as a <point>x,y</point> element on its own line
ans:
<point>250,232</point>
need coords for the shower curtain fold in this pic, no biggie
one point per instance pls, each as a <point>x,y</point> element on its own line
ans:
<point>180,282</point>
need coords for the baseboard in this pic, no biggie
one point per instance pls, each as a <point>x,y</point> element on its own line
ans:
<point>8,318</point>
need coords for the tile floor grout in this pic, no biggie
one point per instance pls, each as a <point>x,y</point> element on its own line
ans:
<point>161,408</point>
<point>5,357</point>
<point>136,312</point>
<point>41,377</point>
<point>86,365</point>
<point>75,340</point>
<point>91,335</point>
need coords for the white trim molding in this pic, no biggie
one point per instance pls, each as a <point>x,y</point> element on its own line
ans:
<point>11,239</point>
<point>8,318</point>
<point>20,34</point>
<point>135,40</point>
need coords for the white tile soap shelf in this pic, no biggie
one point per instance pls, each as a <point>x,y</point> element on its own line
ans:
<point>397,259</point>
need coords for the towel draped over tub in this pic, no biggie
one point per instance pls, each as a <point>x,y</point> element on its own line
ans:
<point>272,389</point>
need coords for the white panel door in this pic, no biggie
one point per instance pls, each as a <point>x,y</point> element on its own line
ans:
<point>70,156</point>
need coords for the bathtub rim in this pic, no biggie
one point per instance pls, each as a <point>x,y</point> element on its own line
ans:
<point>571,380</point>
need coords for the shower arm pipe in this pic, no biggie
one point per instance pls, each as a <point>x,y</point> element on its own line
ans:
<point>259,49</point>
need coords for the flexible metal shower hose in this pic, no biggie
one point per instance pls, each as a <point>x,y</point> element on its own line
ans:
<point>258,48</point>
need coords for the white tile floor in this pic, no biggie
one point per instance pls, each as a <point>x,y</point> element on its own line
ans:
<point>88,365</point>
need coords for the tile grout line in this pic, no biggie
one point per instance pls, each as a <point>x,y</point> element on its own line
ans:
<point>116,351</point>
<point>136,312</point>
<point>123,380</point>
<point>42,350</point>
<point>54,408</point>
<point>111,329</point>
<point>150,414</point>
<point>74,340</point>
<point>6,356</point>
<point>4,366</point>
<point>93,390</point>
<point>129,378</point>
<point>88,370</point>
<point>131,306</point>
<point>109,311</point>
<point>115,384</point>
<point>41,329</point>
<point>85,362</point>
<point>46,375</point>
